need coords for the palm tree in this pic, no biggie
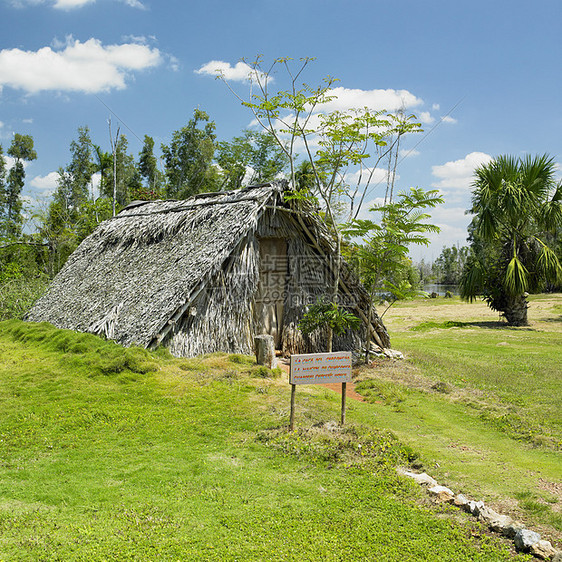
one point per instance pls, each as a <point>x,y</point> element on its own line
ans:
<point>516,203</point>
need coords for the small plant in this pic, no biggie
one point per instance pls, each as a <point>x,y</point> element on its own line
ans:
<point>323,314</point>
<point>263,372</point>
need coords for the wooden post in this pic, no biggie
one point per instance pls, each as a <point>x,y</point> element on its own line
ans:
<point>265,350</point>
<point>343,398</point>
<point>292,418</point>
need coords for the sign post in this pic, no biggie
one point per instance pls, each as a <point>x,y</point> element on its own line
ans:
<point>320,368</point>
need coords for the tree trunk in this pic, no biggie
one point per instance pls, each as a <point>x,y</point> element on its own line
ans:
<point>516,311</point>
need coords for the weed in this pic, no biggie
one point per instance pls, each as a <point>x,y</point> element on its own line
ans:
<point>263,372</point>
<point>426,326</point>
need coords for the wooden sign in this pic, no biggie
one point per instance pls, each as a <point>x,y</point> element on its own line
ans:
<point>320,368</point>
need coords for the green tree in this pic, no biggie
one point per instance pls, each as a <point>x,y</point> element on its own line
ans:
<point>255,156</point>
<point>81,168</point>
<point>149,172</point>
<point>73,213</point>
<point>3,192</point>
<point>22,150</point>
<point>448,267</point>
<point>515,204</point>
<point>337,145</point>
<point>103,162</point>
<point>381,260</point>
<point>188,159</point>
<point>123,178</point>
<point>73,186</point>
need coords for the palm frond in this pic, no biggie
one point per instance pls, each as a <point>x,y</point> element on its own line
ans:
<point>516,277</point>
<point>472,280</point>
<point>548,264</point>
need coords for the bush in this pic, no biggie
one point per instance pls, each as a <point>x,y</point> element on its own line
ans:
<point>18,294</point>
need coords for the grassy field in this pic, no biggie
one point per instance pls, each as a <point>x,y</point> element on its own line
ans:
<point>481,402</point>
<point>113,454</point>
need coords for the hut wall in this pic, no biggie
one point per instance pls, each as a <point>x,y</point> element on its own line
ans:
<point>222,316</point>
<point>309,278</point>
<point>270,296</point>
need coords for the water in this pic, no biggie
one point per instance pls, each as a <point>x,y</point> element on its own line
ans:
<point>441,289</point>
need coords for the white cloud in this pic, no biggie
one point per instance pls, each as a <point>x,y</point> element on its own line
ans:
<point>344,98</point>
<point>435,107</point>
<point>135,4</point>
<point>1,124</point>
<point>379,175</point>
<point>88,67</point>
<point>27,121</point>
<point>448,119</point>
<point>390,100</point>
<point>174,63</point>
<point>405,153</point>
<point>426,118</point>
<point>46,183</point>
<point>10,161</point>
<point>453,223</point>
<point>71,4</point>
<point>240,72</point>
<point>458,174</point>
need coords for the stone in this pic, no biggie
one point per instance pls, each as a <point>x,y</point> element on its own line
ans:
<point>392,353</point>
<point>442,493</point>
<point>475,507</point>
<point>422,478</point>
<point>525,539</point>
<point>557,557</point>
<point>512,529</point>
<point>544,550</point>
<point>460,501</point>
<point>487,514</point>
<point>500,523</point>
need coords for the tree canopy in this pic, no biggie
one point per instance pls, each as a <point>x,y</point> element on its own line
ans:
<point>516,203</point>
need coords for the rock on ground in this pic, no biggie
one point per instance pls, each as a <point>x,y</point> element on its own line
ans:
<point>543,549</point>
<point>442,493</point>
<point>525,539</point>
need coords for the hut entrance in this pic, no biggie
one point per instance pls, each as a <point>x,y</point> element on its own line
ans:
<point>271,287</point>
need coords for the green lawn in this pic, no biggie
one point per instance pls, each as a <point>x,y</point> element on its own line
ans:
<point>481,402</point>
<point>112,454</point>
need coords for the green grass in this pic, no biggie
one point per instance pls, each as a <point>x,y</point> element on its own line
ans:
<point>113,454</point>
<point>479,401</point>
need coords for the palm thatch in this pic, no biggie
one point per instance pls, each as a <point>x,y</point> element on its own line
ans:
<point>194,276</point>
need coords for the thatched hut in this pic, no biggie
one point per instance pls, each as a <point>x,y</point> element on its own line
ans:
<point>202,275</point>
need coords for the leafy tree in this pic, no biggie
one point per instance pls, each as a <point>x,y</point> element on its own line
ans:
<point>103,162</point>
<point>323,313</point>
<point>382,260</point>
<point>448,267</point>
<point>335,144</point>
<point>73,213</point>
<point>515,204</point>
<point>255,156</point>
<point>81,168</point>
<point>22,150</point>
<point>188,159</point>
<point>3,191</point>
<point>425,272</point>
<point>123,178</point>
<point>149,172</point>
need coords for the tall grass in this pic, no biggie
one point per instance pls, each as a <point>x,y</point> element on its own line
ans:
<point>17,295</point>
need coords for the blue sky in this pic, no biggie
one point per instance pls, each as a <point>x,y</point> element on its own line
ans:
<point>484,77</point>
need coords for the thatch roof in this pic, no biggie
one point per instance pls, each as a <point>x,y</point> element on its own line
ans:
<point>137,274</point>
